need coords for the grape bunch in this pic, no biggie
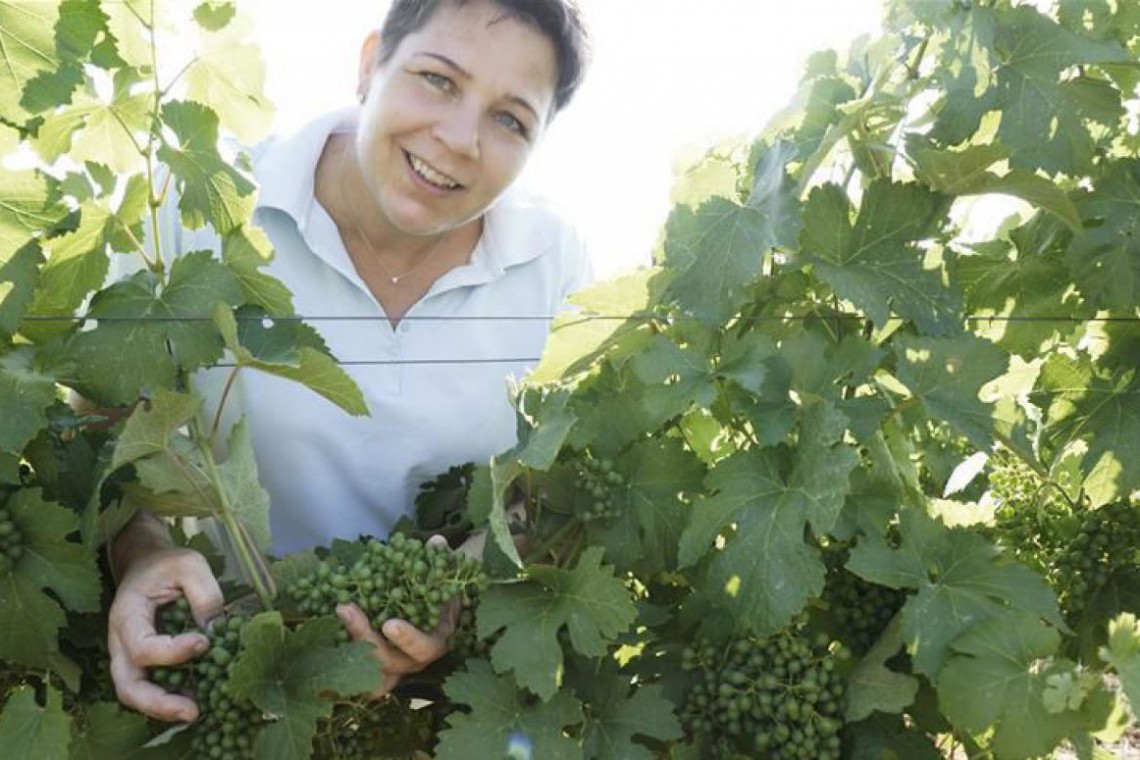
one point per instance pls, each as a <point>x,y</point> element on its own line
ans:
<point>403,578</point>
<point>861,609</point>
<point>600,481</point>
<point>387,729</point>
<point>1108,541</point>
<point>227,726</point>
<point>11,542</point>
<point>465,642</point>
<point>779,697</point>
<point>1032,517</point>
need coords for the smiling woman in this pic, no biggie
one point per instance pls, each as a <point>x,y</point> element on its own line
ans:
<point>666,75</point>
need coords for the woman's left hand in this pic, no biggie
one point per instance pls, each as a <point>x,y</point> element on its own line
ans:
<point>400,647</point>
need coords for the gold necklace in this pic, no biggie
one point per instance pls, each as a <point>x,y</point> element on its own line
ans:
<point>393,278</point>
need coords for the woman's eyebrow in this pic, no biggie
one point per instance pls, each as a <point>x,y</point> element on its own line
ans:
<point>451,64</point>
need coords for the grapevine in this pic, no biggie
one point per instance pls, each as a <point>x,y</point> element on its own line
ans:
<point>1107,542</point>
<point>388,729</point>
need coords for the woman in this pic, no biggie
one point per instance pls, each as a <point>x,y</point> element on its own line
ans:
<point>400,212</point>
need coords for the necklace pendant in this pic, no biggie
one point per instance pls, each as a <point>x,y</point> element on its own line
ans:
<point>395,280</point>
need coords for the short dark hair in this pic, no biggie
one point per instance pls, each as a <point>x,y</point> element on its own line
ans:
<point>559,20</point>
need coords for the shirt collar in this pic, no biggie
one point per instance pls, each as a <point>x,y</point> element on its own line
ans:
<point>516,229</point>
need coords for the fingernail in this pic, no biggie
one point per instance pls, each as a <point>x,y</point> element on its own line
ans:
<point>344,613</point>
<point>394,630</point>
<point>201,644</point>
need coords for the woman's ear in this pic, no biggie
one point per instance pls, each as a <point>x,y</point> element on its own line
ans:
<point>369,63</point>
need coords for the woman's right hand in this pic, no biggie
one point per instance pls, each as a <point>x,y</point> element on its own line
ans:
<point>157,577</point>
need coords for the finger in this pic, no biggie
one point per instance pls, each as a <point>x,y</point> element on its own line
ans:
<point>357,624</point>
<point>135,691</point>
<point>143,646</point>
<point>422,648</point>
<point>202,591</point>
<point>438,541</point>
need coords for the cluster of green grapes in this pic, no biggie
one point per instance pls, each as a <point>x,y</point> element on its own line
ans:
<point>227,726</point>
<point>11,542</point>
<point>600,481</point>
<point>778,697</point>
<point>387,729</point>
<point>1107,541</point>
<point>465,642</point>
<point>861,609</point>
<point>1032,519</point>
<point>403,578</point>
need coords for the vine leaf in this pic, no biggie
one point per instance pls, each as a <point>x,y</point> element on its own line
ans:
<point>1042,115</point>
<point>127,353</point>
<point>229,77</point>
<point>288,674</point>
<point>244,493</point>
<point>873,262</point>
<point>29,729</point>
<point>148,430</point>
<point>716,251</point>
<point>652,513</point>
<point>245,251</point>
<point>767,569</point>
<point>947,375</point>
<point>992,681</point>
<point>1099,406</point>
<point>210,189</point>
<point>616,717</point>
<point>30,619</point>
<point>105,731</point>
<point>961,580</point>
<point>1105,256</point>
<point>589,601</point>
<point>27,37</point>
<point>503,716</point>
<point>290,349</point>
<point>1123,653</point>
<point>25,395</point>
<point>873,687</point>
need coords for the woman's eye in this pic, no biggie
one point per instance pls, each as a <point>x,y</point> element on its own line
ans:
<point>512,122</point>
<point>439,81</point>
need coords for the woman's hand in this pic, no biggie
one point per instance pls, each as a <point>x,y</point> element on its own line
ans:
<point>153,579</point>
<point>400,647</point>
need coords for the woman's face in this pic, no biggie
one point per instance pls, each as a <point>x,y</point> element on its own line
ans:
<point>450,119</point>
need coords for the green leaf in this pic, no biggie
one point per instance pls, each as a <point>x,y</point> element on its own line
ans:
<point>148,430</point>
<point>716,251</point>
<point>127,352</point>
<point>229,77</point>
<point>592,604</point>
<point>245,251</point>
<point>619,716</point>
<point>767,570</point>
<point>1041,118</point>
<point>874,262</point>
<point>503,717</point>
<point>290,349</point>
<point>947,374</point>
<point>27,39</point>
<point>992,682</point>
<point>28,729</point>
<point>961,581</point>
<point>577,336</point>
<point>873,687</point>
<point>1123,653</point>
<point>965,173</point>
<point>1101,407</point>
<point>105,731</point>
<point>214,15</point>
<point>1105,257</point>
<point>292,674</point>
<point>25,395</point>
<point>659,475</point>
<point>774,195</point>
<point>210,190</point>
<point>30,619</point>
<point>244,493</point>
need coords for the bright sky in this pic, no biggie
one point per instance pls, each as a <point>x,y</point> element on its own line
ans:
<point>668,75</point>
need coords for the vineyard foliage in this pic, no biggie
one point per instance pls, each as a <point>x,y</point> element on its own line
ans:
<point>849,472</point>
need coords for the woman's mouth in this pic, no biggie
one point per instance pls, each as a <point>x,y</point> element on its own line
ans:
<point>429,174</point>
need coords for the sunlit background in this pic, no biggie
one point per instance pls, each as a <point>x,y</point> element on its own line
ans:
<point>669,77</point>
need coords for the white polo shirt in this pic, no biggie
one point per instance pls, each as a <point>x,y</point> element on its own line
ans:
<point>436,385</point>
